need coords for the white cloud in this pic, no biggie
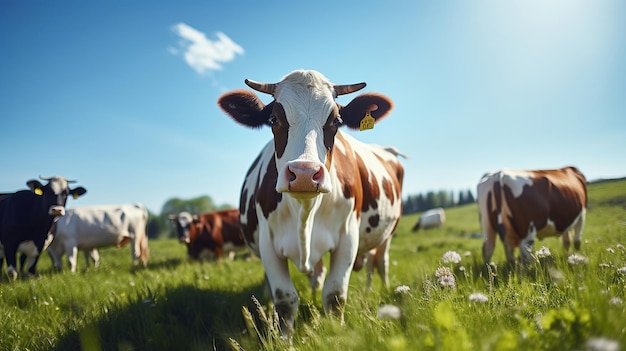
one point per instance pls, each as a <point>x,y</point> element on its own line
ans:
<point>201,53</point>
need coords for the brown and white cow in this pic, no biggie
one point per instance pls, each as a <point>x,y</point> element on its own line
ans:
<point>313,189</point>
<point>209,234</point>
<point>522,205</point>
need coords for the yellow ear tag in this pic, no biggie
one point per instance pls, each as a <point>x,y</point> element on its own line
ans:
<point>75,196</point>
<point>367,122</point>
<point>38,191</point>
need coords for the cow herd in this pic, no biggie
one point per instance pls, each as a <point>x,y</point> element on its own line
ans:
<point>312,190</point>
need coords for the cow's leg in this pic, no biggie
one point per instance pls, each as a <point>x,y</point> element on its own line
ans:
<point>72,252</point>
<point>578,229</point>
<point>381,259</point>
<point>335,291</point>
<point>489,243</point>
<point>370,260</point>
<point>10,256</point>
<point>527,245</point>
<point>95,256</point>
<point>509,248</point>
<point>283,292</point>
<point>55,252</point>
<point>316,277</point>
<point>565,238</point>
<point>218,253</point>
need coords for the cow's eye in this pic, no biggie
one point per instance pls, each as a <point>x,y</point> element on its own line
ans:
<point>272,121</point>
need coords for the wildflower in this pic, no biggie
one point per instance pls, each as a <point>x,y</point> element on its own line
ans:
<point>543,252</point>
<point>621,270</point>
<point>441,271</point>
<point>446,278</point>
<point>602,344</point>
<point>478,297</point>
<point>575,259</point>
<point>615,301</point>
<point>451,257</point>
<point>610,250</point>
<point>389,312</point>
<point>467,253</point>
<point>402,289</point>
<point>620,246</point>
<point>604,265</point>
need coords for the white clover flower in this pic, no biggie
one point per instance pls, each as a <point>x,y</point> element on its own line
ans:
<point>478,297</point>
<point>604,265</point>
<point>447,281</point>
<point>451,257</point>
<point>621,270</point>
<point>575,259</point>
<point>441,271</point>
<point>543,252</point>
<point>402,289</point>
<point>389,312</point>
<point>610,250</point>
<point>446,278</point>
<point>620,246</point>
<point>615,301</point>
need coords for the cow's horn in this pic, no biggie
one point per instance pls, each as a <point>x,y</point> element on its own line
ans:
<point>49,178</point>
<point>267,88</point>
<point>348,88</point>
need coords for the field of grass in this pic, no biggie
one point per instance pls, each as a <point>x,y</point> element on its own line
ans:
<point>177,304</point>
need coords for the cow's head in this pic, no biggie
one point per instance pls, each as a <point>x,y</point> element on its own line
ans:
<point>55,193</point>
<point>182,222</point>
<point>304,118</point>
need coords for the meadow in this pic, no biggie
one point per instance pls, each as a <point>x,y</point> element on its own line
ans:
<point>557,303</point>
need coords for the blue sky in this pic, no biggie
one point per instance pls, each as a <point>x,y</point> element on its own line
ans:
<point>121,95</point>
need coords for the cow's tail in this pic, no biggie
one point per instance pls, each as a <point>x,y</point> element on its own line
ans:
<point>395,151</point>
<point>498,194</point>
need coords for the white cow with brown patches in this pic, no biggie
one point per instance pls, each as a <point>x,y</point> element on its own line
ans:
<point>524,205</point>
<point>313,189</point>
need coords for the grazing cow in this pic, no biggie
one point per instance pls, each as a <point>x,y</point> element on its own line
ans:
<point>90,228</point>
<point>27,215</point>
<point>434,218</point>
<point>314,189</point>
<point>522,205</point>
<point>209,234</point>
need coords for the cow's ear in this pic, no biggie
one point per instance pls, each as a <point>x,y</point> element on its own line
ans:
<point>377,105</point>
<point>245,108</point>
<point>35,186</point>
<point>78,192</point>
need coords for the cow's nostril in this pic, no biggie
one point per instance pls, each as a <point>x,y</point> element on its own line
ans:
<point>292,175</point>
<point>318,175</point>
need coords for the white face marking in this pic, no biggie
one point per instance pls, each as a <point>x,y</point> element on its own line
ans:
<point>307,101</point>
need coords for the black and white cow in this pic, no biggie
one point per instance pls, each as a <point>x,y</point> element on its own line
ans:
<point>27,215</point>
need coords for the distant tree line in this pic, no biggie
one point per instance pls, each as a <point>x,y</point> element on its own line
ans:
<point>442,198</point>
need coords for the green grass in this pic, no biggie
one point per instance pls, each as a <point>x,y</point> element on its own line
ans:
<point>176,304</point>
